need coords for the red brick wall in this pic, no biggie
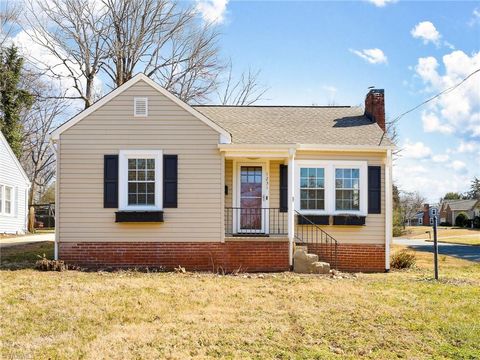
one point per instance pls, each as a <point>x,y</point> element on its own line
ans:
<point>353,257</point>
<point>230,256</point>
<point>207,256</point>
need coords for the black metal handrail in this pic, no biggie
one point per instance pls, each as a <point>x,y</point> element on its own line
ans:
<point>255,221</point>
<point>319,241</point>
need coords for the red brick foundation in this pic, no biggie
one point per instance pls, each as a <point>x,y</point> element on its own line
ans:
<point>251,256</point>
<point>229,256</point>
<point>353,257</point>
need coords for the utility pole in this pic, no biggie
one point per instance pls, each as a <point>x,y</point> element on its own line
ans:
<point>435,247</point>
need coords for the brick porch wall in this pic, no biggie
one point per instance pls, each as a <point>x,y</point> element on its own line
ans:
<point>249,256</point>
<point>354,257</point>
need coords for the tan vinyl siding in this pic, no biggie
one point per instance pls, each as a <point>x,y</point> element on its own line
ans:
<point>374,230</point>
<point>112,128</point>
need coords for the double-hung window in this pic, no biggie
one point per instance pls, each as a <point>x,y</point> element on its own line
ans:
<point>347,189</point>
<point>331,187</point>
<point>140,185</point>
<point>312,188</point>
<point>6,200</point>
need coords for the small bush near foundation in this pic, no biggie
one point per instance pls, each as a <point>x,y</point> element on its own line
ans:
<point>403,260</point>
<point>45,264</point>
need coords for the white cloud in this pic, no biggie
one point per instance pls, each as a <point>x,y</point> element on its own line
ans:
<point>468,146</point>
<point>213,11</point>
<point>440,158</point>
<point>416,150</point>
<point>431,123</point>
<point>475,17</point>
<point>373,56</point>
<point>457,111</point>
<point>458,166</point>
<point>417,169</point>
<point>426,31</point>
<point>381,3</point>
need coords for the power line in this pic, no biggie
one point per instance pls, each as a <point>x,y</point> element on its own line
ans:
<point>446,91</point>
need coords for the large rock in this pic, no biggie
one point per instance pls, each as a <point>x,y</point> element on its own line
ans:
<point>305,263</point>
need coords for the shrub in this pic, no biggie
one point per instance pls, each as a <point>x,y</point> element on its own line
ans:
<point>461,220</point>
<point>397,231</point>
<point>403,259</point>
<point>45,264</point>
<point>445,223</point>
<point>476,222</point>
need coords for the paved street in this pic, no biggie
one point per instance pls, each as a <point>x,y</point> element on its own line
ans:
<point>466,252</point>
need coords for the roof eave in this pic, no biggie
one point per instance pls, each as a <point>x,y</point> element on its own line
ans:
<point>306,147</point>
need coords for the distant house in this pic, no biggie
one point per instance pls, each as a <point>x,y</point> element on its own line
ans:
<point>14,186</point>
<point>425,216</point>
<point>451,208</point>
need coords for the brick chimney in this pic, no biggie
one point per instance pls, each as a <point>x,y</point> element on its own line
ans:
<point>426,214</point>
<point>375,107</point>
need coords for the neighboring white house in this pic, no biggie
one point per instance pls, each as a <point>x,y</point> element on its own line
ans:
<point>14,186</point>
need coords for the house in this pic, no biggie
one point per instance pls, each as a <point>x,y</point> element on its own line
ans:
<point>143,179</point>
<point>14,187</point>
<point>451,208</point>
<point>425,216</point>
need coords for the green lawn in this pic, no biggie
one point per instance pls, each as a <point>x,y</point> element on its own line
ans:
<point>98,315</point>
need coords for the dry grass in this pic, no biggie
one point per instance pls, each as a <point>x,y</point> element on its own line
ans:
<point>421,232</point>
<point>283,316</point>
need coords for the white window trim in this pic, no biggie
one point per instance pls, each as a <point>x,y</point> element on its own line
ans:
<point>434,212</point>
<point>330,166</point>
<point>420,221</point>
<point>13,197</point>
<point>123,157</point>
<point>135,99</point>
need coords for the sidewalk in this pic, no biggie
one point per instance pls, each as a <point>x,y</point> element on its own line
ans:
<point>27,239</point>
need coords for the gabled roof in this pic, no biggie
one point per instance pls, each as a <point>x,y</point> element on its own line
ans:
<point>323,125</point>
<point>14,157</point>
<point>459,205</point>
<point>55,134</point>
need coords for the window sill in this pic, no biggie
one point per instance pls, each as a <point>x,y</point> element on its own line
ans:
<point>138,216</point>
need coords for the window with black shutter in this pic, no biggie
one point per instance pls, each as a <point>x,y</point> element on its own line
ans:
<point>110,181</point>
<point>170,181</point>
<point>374,189</point>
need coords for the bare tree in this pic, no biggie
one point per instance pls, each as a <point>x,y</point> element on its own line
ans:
<point>9,16</point>
<point>73,31</point>
<point>164,41</point>
<point>244,91</point>
<point>38,159</point>
<point>410,204</point>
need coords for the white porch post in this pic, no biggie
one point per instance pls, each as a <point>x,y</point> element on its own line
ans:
<point>291,204</point>
<point>388,208</point>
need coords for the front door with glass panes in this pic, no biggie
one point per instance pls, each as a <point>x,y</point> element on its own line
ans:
<point>250,217</point>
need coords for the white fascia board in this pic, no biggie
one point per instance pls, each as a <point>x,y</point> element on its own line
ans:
<point>303,147</point>
<point>225,136</point>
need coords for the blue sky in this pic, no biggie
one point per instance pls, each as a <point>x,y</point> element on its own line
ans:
<point>311,53</point>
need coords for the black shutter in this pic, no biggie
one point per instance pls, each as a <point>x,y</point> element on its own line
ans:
<point>283,188</point>
<point>170,181</point>
<point>110,181</point>
<point>374,189</point>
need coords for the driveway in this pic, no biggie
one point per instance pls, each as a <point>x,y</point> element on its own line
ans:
<point>27,239</point>
<point>465,252</point>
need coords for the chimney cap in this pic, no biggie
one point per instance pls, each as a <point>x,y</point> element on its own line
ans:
<point>376,91</point>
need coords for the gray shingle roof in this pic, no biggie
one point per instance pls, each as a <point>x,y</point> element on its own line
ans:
<point>462,204</point>
<point>333,125</point>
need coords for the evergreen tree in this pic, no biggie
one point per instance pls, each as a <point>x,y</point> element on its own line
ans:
<point>474,192</point>
<point>13,99</point>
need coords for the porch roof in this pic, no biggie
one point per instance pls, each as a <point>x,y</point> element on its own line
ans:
<point>323,125</point>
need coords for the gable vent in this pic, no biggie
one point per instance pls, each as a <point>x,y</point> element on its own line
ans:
<point>140,106</point>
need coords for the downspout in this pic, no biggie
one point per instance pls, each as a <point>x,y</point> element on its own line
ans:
<point>388,208</point>
<point>54,147</point>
